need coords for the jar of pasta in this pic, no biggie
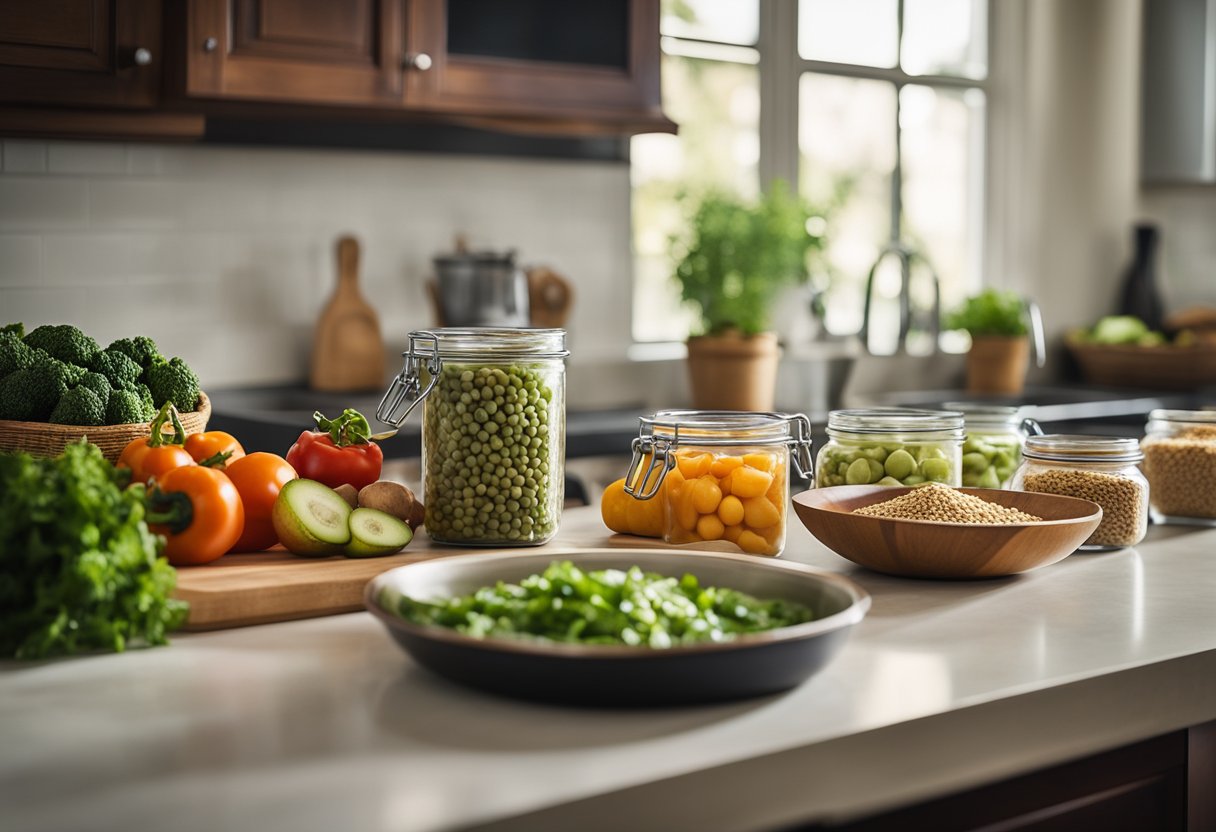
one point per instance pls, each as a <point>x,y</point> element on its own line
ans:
<point>1180,463</point>
<point>722,475</point>
<point>1101,469</point>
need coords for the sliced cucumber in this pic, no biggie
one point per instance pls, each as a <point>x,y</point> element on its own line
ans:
<point>311,519</point>
<point>374,533</point>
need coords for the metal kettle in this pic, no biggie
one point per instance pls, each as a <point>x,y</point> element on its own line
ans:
<point>480,288</point>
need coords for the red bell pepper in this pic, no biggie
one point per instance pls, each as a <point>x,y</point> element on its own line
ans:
<point>340,451</point>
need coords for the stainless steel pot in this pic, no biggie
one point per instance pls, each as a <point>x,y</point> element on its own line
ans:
<point>481,288</point>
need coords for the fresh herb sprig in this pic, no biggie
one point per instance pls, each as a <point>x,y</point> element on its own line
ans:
<point>79,569</point>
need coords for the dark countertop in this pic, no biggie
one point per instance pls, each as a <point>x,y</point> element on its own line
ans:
<point>270,418</point>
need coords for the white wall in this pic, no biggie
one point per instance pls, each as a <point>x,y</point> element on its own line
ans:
<point>225,255</point>
<point>1187,261</point>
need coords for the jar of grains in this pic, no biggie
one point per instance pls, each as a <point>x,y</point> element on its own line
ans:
<point>1101,469</point>
<point>1180,463</point>
<point>891,446</point>
<point>992,442</point>
<point>493,431</point>
<point>722,475</point>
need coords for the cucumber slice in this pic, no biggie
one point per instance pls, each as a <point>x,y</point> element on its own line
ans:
<point>311,519</point>
<point>374,533</point>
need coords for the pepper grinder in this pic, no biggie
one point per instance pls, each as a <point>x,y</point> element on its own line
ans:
<point>1140,295</point>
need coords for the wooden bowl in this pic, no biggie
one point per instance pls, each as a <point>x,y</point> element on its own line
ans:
<point>1162,367</point>
<point>46,439</point>
<point>928,549</point>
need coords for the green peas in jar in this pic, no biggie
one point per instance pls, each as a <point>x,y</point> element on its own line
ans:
<point>493,449</point>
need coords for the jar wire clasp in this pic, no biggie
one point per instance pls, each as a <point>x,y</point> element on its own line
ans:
<point>406,389</point>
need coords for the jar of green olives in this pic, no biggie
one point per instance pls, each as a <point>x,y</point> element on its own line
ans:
<point>493,431</point>
<point>891,446</point>
<point>992,442</point>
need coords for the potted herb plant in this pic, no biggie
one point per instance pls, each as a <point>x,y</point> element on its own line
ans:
<point>1000,345</point>
<point>738,258</point>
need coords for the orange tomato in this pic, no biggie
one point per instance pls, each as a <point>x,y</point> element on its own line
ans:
<point>199,512</point>
<point>258,478</point>
<point>154,454</point>
<point>204,446</point>
<point>151,461</point>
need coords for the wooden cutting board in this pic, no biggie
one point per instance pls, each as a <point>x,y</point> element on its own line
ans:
<point>239,590</point>
<point>348,352</point>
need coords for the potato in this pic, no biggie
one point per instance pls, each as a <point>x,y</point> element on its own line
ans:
<point>349,493</point>
<point>417,515</point>
<point>390,497</point>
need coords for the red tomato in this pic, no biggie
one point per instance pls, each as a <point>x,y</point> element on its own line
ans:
<point>205,446</point>
<point>258,478</point>
<point>316,457</point>
<point>199,512</point>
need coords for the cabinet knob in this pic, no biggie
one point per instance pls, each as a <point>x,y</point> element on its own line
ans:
<point>210,44</point>
<point>419,61</point>
<point>142,57</point>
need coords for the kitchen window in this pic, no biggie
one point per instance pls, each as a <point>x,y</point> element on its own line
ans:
<point>876,108</point>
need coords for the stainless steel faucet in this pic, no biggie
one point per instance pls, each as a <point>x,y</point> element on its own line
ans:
<point>906,256</point>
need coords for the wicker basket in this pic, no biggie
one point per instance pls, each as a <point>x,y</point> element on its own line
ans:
<point>44,439</point>
<point>1155,368</point>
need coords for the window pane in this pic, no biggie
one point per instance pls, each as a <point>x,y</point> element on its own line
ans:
<point>846,131</point>
<point>849,31</point>
<point>945,37</point>
<point>717,106</point>
<point>943,157</point>
<point>727,21</point>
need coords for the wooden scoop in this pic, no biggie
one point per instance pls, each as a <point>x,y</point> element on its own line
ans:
<point>348,352</point>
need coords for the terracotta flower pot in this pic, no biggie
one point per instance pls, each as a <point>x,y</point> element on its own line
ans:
<point>997,364</point>
<point>733,371</point>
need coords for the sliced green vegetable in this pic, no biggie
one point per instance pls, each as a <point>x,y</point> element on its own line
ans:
<point>636,608</point>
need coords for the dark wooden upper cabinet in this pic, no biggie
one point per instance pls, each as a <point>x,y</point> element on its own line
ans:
<point>543,58</point>
<point>332,52</point>
<point>95,53</point>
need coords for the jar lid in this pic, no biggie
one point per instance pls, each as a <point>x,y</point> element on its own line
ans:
<point>717,427</point>
<point>1064,447</point>
<point>1198,417</point>
<point>895,420</point>
<point>488,343</point>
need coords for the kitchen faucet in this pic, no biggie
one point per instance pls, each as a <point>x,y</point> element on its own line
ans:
<point>906,256</point>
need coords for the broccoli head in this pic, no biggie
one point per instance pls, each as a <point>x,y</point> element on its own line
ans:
<point>98,384</point>
<point>17,329</point>
<point>118,368</point>
<point>141,349</point>
<point>14,353</point>
<point>127,406</point>
<point>79,406</point>
<point>71,373</point>
<point>65,342</point>
<point>30,394</point>
<point>173,381</point>
<point>145,396</point>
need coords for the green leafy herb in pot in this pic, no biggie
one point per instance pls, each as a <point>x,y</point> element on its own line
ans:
<point>991,312</point>
<point>80,569</point>
<point>634,608</point>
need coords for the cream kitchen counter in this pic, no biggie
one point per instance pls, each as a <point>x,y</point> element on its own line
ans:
<point>325,725</point>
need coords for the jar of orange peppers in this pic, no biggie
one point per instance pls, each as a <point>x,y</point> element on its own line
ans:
<point>722,475</point>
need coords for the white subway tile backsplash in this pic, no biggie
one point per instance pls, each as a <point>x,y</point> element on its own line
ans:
<point>86,158</point>
<point>226,255</point>
<point>39,203</point>
<point>22,156</point>
<point>20,261</point>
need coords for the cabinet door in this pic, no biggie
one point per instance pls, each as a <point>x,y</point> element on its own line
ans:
<point>103,53</point>
<point>344,52</point>
<point>551,58</point>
